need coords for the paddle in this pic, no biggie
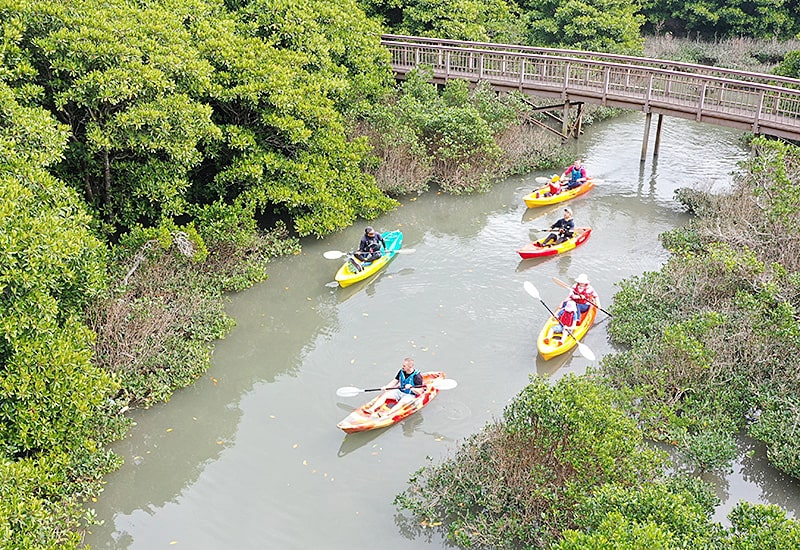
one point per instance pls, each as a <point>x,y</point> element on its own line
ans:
<point>336,254</point>
<point>541,180</point>
<point>559,282</point>
<point>438,383</point>
<point>582,348</point>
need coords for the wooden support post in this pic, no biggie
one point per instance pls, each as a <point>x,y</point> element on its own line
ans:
<point>580,120</point>
<point>647,119</point>
<point>658,136</point>
<point>565,119</point>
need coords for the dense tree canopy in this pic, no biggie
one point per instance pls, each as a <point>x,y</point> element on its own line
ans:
<point>173,103</point>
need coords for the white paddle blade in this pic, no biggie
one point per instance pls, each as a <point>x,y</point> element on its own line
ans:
<point>597,181</point>
<point>406,250</point>
<point>444,383</point>
<point>348,391</point>
<point>530,289</point>
<point>542,180</point>
<point>333,254</point>
<point>586,352</point>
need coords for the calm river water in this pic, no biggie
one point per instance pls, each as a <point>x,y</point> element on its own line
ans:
<point>249,457</point>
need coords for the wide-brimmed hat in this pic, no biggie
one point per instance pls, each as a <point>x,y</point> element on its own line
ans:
<point>582,279</point>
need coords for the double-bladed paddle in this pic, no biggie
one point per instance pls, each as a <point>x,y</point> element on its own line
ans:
<point>582,348</point>
<point>336,254</point>
<point>438,383</point>
<point>541,180</point>
<point>561,283</point>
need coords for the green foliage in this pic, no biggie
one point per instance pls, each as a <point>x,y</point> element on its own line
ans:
<point>476,20</point>
<point>53,400</point>
<point>454,135</point>
<point>790,65</point>
<point>520,481</point>
<point>757,527</point>
<point>611,26</point>
<point>339,43</point>
<point>767,19</point>
<point>673,513</point>
<point>710,334</point>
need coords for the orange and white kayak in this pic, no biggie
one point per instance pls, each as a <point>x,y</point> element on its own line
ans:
<point>390,413</point>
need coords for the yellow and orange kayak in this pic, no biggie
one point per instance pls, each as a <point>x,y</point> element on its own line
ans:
<point>359,420</point>
<point>551,345</point>
<point>542,197</point>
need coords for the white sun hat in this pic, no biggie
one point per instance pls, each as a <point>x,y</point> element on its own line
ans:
<point>582,279</point>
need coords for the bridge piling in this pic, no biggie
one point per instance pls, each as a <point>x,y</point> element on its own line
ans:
<point>647,118</point>
<point>658,136</point>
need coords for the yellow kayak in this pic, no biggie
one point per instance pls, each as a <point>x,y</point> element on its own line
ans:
<point>542,196</point>
<point>551,345</point>
<point>347,275</point>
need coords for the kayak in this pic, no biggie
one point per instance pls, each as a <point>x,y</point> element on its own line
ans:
<point>541,196</point>
<point>557,344</point>
<point>538,250</point>
<point>348,274</point>
<point>359,420</point>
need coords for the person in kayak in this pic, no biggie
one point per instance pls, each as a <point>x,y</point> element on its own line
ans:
<point>567,318</point>
<point>575,174</point>
<point>369,249</point>
<point>583,294</point>
<point>405,386</point>
<point>563,229</point>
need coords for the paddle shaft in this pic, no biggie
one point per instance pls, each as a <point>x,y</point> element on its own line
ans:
<point>394,388</point>
<point>556,318</point>
<point>561,283</point>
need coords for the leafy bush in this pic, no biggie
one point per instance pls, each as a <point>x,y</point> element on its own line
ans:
<point>520,481</point>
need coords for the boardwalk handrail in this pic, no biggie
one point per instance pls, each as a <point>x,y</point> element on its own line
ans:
<point>681,66</point>
<point>760,103</point>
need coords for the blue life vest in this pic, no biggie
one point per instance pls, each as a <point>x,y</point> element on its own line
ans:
<point>407,379</point>
<point>575,175</point>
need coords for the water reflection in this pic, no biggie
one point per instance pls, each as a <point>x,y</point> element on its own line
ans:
<point>353,442</point>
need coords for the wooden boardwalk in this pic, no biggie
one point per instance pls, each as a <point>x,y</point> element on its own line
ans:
<point>760,103</point>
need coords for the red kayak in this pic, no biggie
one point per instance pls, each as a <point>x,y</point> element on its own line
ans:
<point>538,250</point>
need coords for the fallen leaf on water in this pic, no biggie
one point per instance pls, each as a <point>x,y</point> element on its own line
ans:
<point>272,416</point>
<point>169,429</point>
<point>220,442</point>
<point>294,446</point>
<point>305,463</point>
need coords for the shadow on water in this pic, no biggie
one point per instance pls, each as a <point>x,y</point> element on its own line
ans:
<point>548,367</point>
<point>353,442</point>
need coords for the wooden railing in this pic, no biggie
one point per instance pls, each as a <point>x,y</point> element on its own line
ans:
<point>763,104</point>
